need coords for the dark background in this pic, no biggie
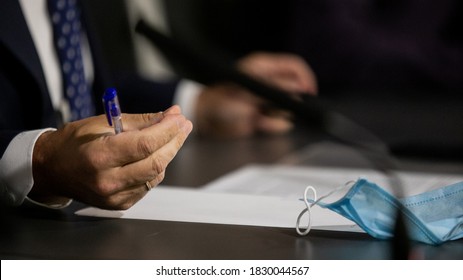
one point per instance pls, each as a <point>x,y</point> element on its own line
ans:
<point>395,67</point>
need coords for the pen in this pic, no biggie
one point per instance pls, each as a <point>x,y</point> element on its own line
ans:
<point>112,109</point>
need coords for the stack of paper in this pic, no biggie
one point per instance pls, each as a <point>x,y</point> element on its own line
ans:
<point>259,195</point>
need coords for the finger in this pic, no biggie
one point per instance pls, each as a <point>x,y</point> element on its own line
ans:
<point>269,67</point>
<point>136,145</point>
<point>294,69</point>
<point>273,124</point>
<point>291,84</point>
<point>307,80</point>
<point>122,200</point>
<point>151,184</point>
<point>175,109</point>
<point>128,197</point>
<point>151,168</point>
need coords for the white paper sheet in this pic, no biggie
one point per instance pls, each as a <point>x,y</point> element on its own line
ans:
<point>290,181</point>
<point>259,195</point>
<point>188,205</point>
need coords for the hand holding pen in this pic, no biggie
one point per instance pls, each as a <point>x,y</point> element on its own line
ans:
<point>85,162</point>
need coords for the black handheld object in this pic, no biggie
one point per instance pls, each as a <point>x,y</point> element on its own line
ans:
<point>210,67</point>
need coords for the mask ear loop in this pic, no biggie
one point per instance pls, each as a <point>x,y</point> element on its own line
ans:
<point>307,209</point>
<point>310,205</point>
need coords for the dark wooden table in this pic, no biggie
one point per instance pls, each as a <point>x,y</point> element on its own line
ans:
<point>31,233</point>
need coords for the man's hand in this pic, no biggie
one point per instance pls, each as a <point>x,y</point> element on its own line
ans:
<point>286,71</point>
<point>230,111</point>
<point>86,161</point>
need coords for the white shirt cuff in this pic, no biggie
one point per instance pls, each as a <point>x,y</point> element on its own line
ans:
<point>16,179</point>
<point>186,96</point>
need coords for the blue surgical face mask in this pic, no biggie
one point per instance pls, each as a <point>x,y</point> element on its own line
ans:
<point>432,217</point>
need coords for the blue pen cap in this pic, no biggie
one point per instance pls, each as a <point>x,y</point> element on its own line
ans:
<point>110,102</point>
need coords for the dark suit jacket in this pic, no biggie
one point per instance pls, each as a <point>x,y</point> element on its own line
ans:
<point>25,102</point>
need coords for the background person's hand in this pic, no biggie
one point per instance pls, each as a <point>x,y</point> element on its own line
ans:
<point>86,161</point>
<point>230,111</point>
<point>286,71</point>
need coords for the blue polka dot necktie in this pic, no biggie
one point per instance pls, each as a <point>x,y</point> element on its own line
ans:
<point>65,18</point>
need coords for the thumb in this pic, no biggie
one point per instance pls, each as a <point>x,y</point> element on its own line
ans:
<point>140,121</point>
<point>132,122</point>
<point>175,109</point>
